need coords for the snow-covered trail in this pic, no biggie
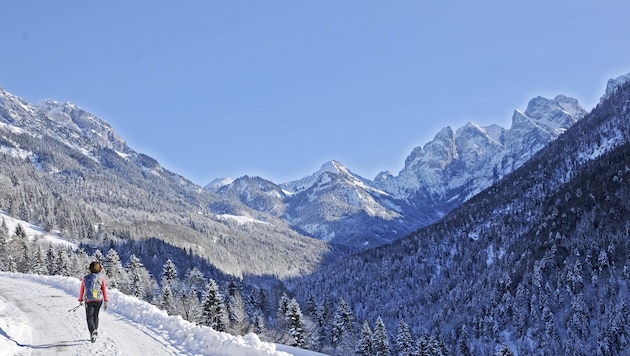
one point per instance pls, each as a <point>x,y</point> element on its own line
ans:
<point>35,320</point>
<point>39,323</point>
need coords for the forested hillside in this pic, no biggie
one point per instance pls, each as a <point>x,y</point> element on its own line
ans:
<point>537,263</point>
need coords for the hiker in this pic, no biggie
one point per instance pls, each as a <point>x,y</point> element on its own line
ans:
<point>94,292</point>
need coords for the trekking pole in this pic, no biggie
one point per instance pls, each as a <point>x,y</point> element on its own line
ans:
<point>75,308</point>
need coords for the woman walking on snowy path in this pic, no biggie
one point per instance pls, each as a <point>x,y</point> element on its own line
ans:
<point>94,292</point>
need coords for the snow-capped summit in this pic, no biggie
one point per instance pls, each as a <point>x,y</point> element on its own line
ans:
<point>543,121</point>
<point>66,122</point>
<point>256,193</point>
<point>82,122</point>
<point>455,165</point>
<point>218,184</point>
<point>333,167</point>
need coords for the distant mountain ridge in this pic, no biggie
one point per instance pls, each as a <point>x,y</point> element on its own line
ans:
<point>66,170</point>
<point>334,204</point>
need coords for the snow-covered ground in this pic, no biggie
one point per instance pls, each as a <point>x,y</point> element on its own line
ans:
<point>36,319</point>
<point>33,231</point>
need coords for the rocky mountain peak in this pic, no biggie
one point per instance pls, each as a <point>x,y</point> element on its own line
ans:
<point>613,84</point>
<point>554,114</point>
<point>84,123</point>
<point>330,167</point>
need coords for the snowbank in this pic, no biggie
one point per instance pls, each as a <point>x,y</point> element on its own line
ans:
<point>185,336</point>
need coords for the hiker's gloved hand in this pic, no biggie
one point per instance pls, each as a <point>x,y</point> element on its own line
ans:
<point>105,305</point>
<point>80,303</point>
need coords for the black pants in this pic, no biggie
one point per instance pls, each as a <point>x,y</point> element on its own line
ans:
<point>91,312</point>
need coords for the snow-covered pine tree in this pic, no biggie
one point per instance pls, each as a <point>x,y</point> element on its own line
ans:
<point>259,324</point>
<point>283,308</point>
<point>116,274</point>
<point>263,301</point>
<point>4,234</point>
<point>4,228</point>
<point>365,347</point>
<point>295,324</point>
<point>235,308</point>
<point>24,262</point>
<point>11,265</point>
<point>405,343</point>
<point>380,341</point>
<point>169,272</point>
<point>167,300</point>
<point>311,307</point>
<point>61,263</point>
<point>50,260</point>
<point>98,256</point>
<point>39,262</point>
<point>141,284</point>
<point>233,287</point>
<point>20,233</point>
<point>343,338</point>
<point>213,311</point>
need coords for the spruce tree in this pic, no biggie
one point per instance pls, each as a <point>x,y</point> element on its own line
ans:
<point>343,328</point>
<point>98,257</point>
<point>61,263</point>
<point>295,324</point>
<point>11,265</point>
<point>365,347</point>
<point>20,233</point>
<point>4,229</point>
<point>259,324</point>
<point>116,275</point>
<point>283,308</point>
<point>141,284</point>
<point>311,306</point>
<point>167,301</point>
<point>405,343</point>
<point>213,312</point>
<point>380,340</point>
<point>3,245</point>
<point>169,272</point>
<point>39,263</point>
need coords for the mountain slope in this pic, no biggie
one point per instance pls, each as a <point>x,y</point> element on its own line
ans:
<point>539,261</point>
<point>63,169</point>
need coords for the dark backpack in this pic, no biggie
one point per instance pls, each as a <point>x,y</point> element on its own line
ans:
<point>93,291</point>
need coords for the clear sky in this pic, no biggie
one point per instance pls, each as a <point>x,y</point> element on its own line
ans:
<point>276,88</point>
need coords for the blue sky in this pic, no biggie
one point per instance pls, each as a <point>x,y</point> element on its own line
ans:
<point>276,88</point>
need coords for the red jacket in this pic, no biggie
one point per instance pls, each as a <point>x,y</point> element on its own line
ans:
<point>82,290</point>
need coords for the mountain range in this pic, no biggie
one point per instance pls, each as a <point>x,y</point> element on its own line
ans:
<point>334,204</point>
<point>345,211</point>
